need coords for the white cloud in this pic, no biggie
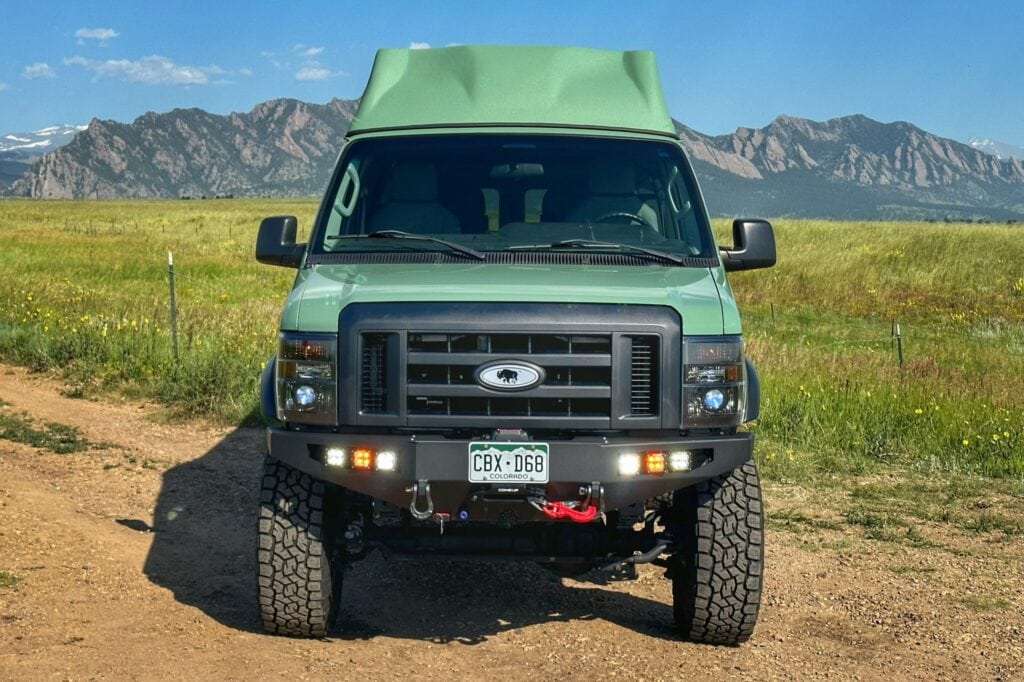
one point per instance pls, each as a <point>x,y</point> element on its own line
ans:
<point>3,86</point>
<point>152,70</point>
<point>245,71</point>
<point>305,51</point>
<point>418,46</point>
<point>272,57</point>
<point>38,70</point>
<point>312,72</point>
<point>100,34</point>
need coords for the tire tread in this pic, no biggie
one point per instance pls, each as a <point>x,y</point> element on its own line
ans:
<point>717,585</point>
<point>296,590</point>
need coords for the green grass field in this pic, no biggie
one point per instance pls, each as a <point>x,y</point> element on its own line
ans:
<point>83,295</point>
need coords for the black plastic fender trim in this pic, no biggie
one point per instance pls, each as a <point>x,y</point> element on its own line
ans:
<point>268,405</point>
<point>753,405</point>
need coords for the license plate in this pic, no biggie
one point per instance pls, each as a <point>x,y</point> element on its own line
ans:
<point>508,462</point>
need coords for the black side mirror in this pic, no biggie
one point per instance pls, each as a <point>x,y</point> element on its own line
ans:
<point>275,243</point>
<point>753,246</point>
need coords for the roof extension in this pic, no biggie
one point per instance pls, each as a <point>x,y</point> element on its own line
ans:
<point>513,85</point>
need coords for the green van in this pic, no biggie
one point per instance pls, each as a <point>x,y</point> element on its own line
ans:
<point>511,338</point>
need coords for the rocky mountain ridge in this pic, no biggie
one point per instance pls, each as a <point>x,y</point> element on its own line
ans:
<point>848,167</point>
<point>281,147</point>
<point>854,166</point>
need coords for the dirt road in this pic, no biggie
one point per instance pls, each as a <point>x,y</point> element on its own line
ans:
<point>135,561</point>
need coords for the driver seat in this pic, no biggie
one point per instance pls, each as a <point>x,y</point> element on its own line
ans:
<point>612,189</point>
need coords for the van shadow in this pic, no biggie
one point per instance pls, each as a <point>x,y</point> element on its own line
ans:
<point>203,551</point>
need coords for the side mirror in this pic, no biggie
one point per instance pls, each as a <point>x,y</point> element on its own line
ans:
<point>753,246</point>
<point>275,243</point>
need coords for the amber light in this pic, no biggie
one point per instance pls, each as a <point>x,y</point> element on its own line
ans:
<point>654,462</point>
<point>362,459</point>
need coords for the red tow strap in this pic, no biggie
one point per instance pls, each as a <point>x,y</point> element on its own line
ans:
<point>560,510</point>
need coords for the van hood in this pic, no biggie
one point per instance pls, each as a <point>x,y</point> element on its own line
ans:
<point>699,295</point>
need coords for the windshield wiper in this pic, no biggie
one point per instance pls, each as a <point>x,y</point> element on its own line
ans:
<point>589,244</point>
<point>398,234</point>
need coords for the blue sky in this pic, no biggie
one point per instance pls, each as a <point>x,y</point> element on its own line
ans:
<point>953,68</point>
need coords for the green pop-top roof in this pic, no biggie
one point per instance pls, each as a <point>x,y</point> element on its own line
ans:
<point>486,85</point>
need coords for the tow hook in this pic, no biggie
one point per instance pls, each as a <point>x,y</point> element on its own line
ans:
<point>421,487</point>
<point>583,511</point>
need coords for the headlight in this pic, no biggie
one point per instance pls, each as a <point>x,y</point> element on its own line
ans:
<point>306,383</point>
<point>714,382</point>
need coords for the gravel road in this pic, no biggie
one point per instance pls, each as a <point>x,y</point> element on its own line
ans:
<point>136,561</point>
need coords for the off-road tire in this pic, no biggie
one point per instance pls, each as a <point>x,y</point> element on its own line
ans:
<point>716,577</point>
<point>299,579</point>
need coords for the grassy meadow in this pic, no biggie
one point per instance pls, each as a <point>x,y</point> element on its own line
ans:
<point>84,296</point>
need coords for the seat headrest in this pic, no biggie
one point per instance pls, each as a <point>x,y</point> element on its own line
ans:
<point>412,181</point>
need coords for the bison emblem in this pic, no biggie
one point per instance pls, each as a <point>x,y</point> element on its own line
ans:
<point>509,376</point>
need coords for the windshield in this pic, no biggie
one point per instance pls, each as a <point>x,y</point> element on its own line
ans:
<point>515,193</point>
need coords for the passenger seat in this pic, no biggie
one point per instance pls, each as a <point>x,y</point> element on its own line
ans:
<point>411,203</point>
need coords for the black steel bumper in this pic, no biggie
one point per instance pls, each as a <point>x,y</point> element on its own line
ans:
<point>444,464</point>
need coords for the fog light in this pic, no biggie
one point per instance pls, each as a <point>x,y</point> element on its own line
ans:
<point>680,460</point>
<point>654,462</point>
<point>387,461</point>
<point>305,396</point>
<point>714,399</point>
<point>629,464</point>
<point>335,457</point>
<point>362,459</point>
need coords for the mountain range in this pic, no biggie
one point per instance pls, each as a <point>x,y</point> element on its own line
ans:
<point>18,151</point>
<point>849,167</point>
<point>1003,150</point>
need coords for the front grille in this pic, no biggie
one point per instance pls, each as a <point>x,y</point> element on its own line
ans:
<point>416,365</point>
<point>441,375</point>
<point>643,376</point>
<point>373,374</point>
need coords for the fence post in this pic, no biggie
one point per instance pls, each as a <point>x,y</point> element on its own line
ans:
<point>899,345</point>
<point>174,307</point>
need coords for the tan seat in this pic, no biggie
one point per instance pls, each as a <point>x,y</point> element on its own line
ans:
<point>411,203</point>
<point>612,190</point>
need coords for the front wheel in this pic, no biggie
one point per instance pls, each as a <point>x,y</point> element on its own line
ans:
<point>299,578</point>
<point>716,577</point>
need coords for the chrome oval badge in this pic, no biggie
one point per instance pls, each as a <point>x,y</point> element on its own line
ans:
<point>509,376</point>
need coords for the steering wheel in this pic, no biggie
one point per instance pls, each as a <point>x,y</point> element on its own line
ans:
<point>633,217</point>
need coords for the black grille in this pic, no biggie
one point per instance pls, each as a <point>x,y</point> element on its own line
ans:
<point>416,365</point>
<point>373,398</point>
<point>643,376</point>
<point>577,375</point>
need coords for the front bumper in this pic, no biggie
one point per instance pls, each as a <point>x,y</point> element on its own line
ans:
<point>444,464</point>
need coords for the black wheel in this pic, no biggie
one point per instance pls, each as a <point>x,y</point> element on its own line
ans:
<point>299,579</point>
<point>716,579</point>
